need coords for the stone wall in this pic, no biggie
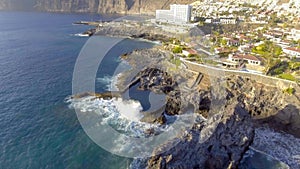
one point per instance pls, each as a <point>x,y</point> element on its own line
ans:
<point>267,80</point>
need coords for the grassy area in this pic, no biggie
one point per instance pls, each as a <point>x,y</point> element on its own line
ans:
<point>287,77</point>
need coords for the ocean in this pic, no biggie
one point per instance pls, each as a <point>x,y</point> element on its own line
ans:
<point>38,52</point>
<point>38,128</point>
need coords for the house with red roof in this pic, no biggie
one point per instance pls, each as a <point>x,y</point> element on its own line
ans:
<point>187,52</point>
<point>292,52</point>
<point>244,58</point>
<point>237,60</point>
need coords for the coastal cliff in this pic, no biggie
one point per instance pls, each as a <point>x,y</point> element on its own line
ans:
<point>91,6</point>
<point>17,5</point>
<point>105,6</point>
<point>240,112</point>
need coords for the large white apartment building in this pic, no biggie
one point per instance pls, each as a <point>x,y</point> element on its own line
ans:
<point>176,14</point>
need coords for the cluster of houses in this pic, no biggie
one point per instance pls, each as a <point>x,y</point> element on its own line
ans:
<point>237,47</point>
<point>283,38</point>
<point>257,11</point>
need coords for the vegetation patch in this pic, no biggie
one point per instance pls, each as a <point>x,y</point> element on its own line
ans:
<point>289,90</point>
<point>287,76</point>
<point>176,62</point>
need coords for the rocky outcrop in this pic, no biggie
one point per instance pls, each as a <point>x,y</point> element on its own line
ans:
<point>223,149</point>
<point>230,129</point>
<point>234,107</point>
<point>159,81</point>
<point>266,104</point>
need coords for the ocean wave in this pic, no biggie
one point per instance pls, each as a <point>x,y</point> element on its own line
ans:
<point>80,35</point>
<point>110,82</point>
<point>122,115</point>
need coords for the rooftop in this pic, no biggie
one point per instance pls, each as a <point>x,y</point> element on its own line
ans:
<point>293,49</point>
<point>246,56</point>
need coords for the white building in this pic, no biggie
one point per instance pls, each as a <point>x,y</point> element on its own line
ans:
<point>295,34</point>
<point>226,21</point>
<point>244,58</point>
<point>176,14</point>
<point>293,52</point>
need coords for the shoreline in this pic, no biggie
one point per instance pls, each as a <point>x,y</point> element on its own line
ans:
<point>233,80</point>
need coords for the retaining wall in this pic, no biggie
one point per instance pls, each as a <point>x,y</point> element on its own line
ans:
<point>267,80</point>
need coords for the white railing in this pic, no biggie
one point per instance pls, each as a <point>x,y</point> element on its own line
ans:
<point>207,67</point>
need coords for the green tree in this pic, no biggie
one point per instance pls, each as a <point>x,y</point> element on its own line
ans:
<point>268,49</point>
<point>177,49</point>
<point>277,50</point>
<point>294,65</point>
<point>223,42</point>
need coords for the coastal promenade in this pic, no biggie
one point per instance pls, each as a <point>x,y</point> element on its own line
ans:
<point>219,72</point>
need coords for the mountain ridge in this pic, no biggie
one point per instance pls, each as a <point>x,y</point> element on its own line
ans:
<point>92,6</point>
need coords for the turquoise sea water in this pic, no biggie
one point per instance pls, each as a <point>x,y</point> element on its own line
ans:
<point>37,57</point>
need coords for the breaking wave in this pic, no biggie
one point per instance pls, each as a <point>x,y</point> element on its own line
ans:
<point>110,82</point>
<point>122,115</point>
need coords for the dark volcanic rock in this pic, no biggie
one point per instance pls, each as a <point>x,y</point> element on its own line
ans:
<point>158,81</point>
<point>223,149</point>
<point>267,104</point>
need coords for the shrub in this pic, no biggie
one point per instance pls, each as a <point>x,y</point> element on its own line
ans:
<point>177,49</point>
<point>289,90</point>
<point>287,77</point>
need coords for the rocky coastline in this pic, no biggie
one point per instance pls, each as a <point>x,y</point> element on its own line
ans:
<point>233,110</point>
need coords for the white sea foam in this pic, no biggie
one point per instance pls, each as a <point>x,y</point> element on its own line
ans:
<point>110,82</point>
<point>122,115</point>
<point>129,109</point>
<point>81,35</point>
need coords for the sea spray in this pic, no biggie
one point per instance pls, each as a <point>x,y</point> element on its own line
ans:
<point>123,115</point>
<point>110,82</point>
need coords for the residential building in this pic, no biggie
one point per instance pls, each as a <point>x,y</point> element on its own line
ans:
<point>223,21</point>
<point>226,21</point>
<point>244,58</point>
<point>295,34</point>
<point>233,42</point>
<point>189,52</point>
<point>292,52</point>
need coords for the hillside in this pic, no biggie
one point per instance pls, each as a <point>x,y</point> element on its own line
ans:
<point>93,6</point>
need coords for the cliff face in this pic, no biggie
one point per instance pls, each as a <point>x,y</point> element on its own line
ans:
<point>3,4</point>
<point>17,5</point>
<point>106,6</point>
